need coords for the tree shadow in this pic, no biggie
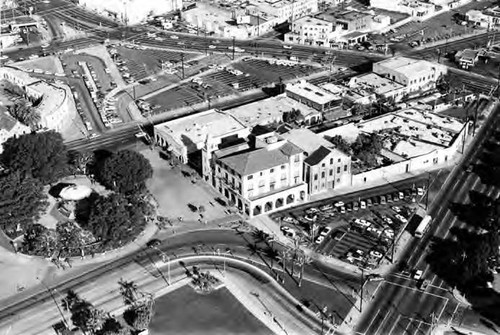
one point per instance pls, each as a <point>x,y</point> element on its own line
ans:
<point>84,207</point>
<point>487,174</point>
<point>55,190</point>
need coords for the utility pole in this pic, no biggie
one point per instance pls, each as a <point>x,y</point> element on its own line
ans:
<point>55,302</point>
<point>362,289</point>
<point>233,46</point>
<point>182,64</point>
<point>428,187</point>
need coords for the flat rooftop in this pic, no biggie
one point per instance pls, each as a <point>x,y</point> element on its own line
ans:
<point>311,92</point>
<point>196,128</point>
<point>375,83</point>
<point>407,65</point>
<point>268,110</point>
<point>309,141</point>
<point>312,20</point>
<point>408,133</point>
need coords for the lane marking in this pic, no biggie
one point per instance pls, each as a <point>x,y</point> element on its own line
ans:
<point>417,290</point>
<point>373,319</point>
<point>382,323</point>
<point>395,324</point>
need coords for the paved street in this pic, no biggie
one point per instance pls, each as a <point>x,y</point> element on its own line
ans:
<point>398,307</point>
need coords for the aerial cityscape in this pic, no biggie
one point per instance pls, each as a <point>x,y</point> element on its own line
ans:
<point>220,167</point>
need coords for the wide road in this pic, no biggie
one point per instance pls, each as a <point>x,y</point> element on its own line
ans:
<point>28,307</point>
<point>398,306</point>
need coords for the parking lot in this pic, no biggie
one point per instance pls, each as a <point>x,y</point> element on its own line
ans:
<point>359,232</point>
<point>225,80</point>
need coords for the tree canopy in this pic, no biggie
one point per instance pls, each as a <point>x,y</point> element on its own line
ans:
<point>22,200</point>
<point>115,220</point>
<point>125,171</point>
<point>83,314</point>
<point>23,111</point>
<point>40,155</point>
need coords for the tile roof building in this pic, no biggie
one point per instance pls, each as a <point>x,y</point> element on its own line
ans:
<point>325,167</point>
<point>264,178</point>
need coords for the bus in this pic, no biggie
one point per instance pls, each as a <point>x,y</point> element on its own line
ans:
<point>423,226</point>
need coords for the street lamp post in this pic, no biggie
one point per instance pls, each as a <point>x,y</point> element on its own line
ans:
<point>55,301</point>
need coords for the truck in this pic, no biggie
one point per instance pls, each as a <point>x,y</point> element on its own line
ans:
<point>423,226</point>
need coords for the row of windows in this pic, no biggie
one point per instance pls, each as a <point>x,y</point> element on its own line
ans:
<point>419,80</point>
<point>323,174</point>
<point>283,167</point>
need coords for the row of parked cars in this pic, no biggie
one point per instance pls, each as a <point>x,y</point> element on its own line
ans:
<point>342,208</point>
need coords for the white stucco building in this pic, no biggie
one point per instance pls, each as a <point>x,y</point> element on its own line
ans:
<point>414,74</point>
<point>132,11</point>
<point>264,178</point>
<point>56,104</point>
<point>413,140</point>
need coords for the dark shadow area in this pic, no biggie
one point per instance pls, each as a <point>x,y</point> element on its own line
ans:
<point>100,157</point>
<point>488,175</point>
<point>83,208</point>
<point>56,189</point>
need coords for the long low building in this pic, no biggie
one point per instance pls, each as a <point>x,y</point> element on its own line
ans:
<point>413,140</point>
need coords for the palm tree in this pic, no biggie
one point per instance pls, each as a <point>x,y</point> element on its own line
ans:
<point>272,254</point>
<point>260,236</point>
<point>129,291</point>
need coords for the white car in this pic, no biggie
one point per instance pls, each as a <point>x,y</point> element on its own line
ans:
<point>174,37</point>
<point>287,231</point>
<point>420,191</point>
<point>326,231</point>
<point>211,46</point>
<point>319,239</point>
<point>401,218</point>
<point>418,274</point>
<point>339,204</point>
<point>396,209</point>
<point>376,254</point>
<point>287,47</point>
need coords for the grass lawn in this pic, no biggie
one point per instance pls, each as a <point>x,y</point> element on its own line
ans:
<point>187,312</point>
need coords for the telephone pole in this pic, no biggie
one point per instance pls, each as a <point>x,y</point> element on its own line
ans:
<point>234,38</point>
<point>182,64</point>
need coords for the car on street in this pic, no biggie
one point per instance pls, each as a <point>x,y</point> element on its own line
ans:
<point>287,47</point>
<point>174,37</point>
<point>339,204</point>
<point>312,210</point>
<point>154,243</point>
<point>420,191</point>
<point>469,168</point>
<point>289,219</point>
<point>287,231</point>
<point>362,204</point>
<point>375,254</point>
<point>417,275</point>
<point>211,46</point>
<point>355,206</point>
<point>389,198</point>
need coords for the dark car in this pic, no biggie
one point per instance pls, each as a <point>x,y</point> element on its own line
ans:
<point>154,243</point>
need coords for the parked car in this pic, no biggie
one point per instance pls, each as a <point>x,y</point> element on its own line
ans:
<point>417,274</point>
<point>383,200</point>
<point>289,219</point>
<point>287,231</point>
<point>401,218</point>
<point>423,284</point>
<point>389,198</point>
<point>325,231</point>
<point>369,202</point>
<point>355,206</point>
<point>349,207</point>
<point>319,239</point>
<point>420,191</point>
<point>362,204</point>
<point>339,204</point>
<point>374,231</point>
<point>376,254</point>
<point>396,209</point>
<point>342,209</point>
<point>326,207</point>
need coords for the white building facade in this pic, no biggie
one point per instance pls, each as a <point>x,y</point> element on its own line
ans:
<point>264,179</point>
<point>132,11</point>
